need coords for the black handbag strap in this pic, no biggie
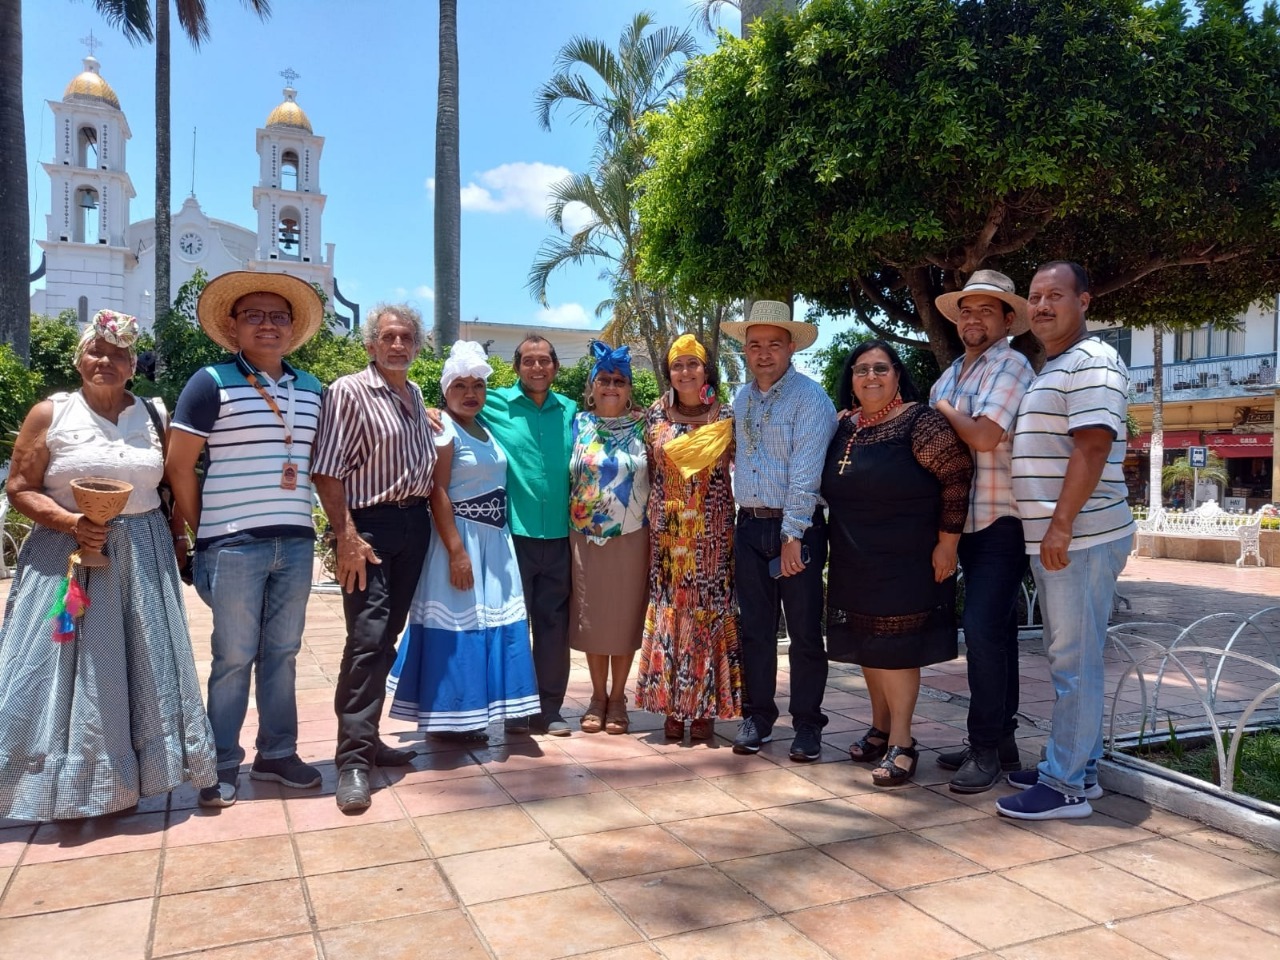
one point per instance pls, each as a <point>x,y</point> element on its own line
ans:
<point>156,422</point>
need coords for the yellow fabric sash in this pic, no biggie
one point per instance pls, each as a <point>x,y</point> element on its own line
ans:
<point>701,448</point>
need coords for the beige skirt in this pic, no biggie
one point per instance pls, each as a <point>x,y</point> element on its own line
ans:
<point>610,593</point>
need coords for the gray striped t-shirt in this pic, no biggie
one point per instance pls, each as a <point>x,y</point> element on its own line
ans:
<point>1086,385</point>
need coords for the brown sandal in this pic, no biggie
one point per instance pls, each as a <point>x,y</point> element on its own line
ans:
<point>673,728</point>
<point>702,729</point>
<point>593,720</point>
<point>615,717</point>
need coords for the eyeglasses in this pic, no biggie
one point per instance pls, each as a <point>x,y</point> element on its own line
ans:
<point>391,339</point>
<point>605,380</point>
<point>864,370</point>
<point>255,318</point>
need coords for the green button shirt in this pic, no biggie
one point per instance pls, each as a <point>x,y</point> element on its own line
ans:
<point>537,441</point>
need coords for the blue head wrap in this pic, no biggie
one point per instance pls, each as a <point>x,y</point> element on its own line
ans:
<point>610,359</point>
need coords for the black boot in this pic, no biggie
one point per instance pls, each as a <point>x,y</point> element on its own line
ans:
<point>979,772</point>
<point>1009,758</point>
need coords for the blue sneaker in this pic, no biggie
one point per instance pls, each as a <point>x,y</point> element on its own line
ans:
<point>1043,803</point>
<point>752,735</point>
<point>1026,779</point>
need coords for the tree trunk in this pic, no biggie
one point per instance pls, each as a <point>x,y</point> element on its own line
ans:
<point>932,321</point>
<point>15,220</point>
<point>1155,498</point>
<point>448,199</point>
<point>163,212</point>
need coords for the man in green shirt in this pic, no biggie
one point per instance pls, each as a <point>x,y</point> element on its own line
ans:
<point>533,425</point>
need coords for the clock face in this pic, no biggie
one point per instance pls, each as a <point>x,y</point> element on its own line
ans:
<point>190,246</point>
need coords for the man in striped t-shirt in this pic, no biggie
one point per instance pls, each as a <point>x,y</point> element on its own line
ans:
<point>1068,481</point>
<point>255,417</point>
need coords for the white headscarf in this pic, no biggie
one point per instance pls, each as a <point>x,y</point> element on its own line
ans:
<point>466,359</point>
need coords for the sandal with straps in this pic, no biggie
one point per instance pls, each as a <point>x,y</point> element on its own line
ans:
<point>593,720</point>
<point>896,775</point>
<point>869,752</point>
<point>673,728</point>
<point>616,720</point>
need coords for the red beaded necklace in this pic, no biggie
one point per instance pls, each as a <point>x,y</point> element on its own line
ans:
<point>862,423</point>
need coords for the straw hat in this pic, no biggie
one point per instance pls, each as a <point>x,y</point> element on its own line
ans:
<point>221,294</point>
<point>775,314</point>
<point>992,283</point>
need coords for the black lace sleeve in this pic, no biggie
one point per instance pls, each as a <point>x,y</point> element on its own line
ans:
<point>945,455</point>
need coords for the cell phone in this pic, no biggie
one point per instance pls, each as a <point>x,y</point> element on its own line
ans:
<point>775,565</point>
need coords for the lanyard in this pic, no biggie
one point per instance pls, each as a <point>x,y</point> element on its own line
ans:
<point>285,418</point>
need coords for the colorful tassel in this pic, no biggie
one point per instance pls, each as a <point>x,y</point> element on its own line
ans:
<point>71,603</point>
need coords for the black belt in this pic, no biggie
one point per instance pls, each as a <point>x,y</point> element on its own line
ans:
<point>405,504</point>
<point>760,513</point>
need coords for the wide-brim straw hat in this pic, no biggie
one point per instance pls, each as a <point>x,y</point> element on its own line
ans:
<point>774,313</point>
<point>991,283</point>
<point>221,294</point>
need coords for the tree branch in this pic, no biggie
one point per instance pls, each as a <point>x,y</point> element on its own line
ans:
<point>891,310</point>
<point>977,251</point>
<point>1159,263</point>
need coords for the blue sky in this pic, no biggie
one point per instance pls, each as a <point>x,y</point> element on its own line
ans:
<point>368,84</point>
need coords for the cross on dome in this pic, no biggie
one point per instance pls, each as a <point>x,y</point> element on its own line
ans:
<point>92,42</point>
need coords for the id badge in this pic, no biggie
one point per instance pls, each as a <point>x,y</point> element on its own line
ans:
<point>289,477</point>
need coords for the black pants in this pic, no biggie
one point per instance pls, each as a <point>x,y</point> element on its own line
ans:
<point>545,573</point>
<point>375,618</point>
<point>760,597</point>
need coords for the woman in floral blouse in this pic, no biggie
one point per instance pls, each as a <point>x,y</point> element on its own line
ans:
<point>608,536</point>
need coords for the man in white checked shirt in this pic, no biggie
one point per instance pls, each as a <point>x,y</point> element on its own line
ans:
<point>372,469</point>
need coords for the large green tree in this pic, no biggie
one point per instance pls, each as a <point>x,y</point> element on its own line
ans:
<point>448,185</point>
<point>871,154</point>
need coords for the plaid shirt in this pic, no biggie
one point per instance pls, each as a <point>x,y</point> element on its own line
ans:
<point>992,387</point>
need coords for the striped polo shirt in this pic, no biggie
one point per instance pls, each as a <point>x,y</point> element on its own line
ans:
<point>246,453</point>
<point>1086,385</point>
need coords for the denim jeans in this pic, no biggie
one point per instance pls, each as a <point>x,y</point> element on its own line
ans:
<point>258,591</point>
<point>760,598</point>
<point>994,560</point>
<point>1075,603</point>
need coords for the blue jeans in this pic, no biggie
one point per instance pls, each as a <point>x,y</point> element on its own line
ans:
<point>994,560</point>
<point>258,591</point>
<point>1075,603</point>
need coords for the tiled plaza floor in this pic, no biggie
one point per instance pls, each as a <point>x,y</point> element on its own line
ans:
<point>627,847</point>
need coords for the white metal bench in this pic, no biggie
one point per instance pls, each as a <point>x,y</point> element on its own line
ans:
<point>1208,522</point>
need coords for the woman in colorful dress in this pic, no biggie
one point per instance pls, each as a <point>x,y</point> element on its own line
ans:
<point>690,663</point>
<point>100,707</point>
<point>608,536</point>
<point>465,660</point>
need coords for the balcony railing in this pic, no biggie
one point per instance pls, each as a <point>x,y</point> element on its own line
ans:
<point>1217,374</point>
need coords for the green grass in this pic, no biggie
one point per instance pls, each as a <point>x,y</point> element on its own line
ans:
<point>1257,765</point>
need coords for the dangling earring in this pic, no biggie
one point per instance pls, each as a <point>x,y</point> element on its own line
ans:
<point>591,401</point>
<point>671,396</point>
<point>706,394</point>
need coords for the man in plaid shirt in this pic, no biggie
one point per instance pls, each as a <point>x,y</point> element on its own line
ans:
<point>979,395</point>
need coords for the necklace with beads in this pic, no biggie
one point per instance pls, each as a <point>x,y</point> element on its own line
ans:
<point>863,423</point>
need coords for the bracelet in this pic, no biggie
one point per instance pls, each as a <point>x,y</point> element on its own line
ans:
<point>182,539</point>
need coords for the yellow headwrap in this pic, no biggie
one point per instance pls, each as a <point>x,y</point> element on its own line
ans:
<point>700,448</point>
<point>687,345</point>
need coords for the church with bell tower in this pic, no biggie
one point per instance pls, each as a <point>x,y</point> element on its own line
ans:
<point>96,257</point>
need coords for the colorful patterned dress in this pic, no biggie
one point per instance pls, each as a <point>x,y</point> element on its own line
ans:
<point>690,660</point>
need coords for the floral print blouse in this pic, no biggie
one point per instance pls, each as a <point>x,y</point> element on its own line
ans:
<point>609,476</point>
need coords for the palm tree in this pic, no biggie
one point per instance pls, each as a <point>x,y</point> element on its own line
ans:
<point>448,184</point>
<point>1181,472</point>
<point>1155,483</point>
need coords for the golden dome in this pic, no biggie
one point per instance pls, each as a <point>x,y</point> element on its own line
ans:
<point>89,87</point>
<point>289,114</point>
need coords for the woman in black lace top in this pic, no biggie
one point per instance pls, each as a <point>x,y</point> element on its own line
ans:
<point>896,481</point>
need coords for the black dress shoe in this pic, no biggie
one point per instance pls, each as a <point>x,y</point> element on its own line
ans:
<point>979,772</point>
<point>352,794</point>
<point>1008,750</point>
<point>391,757</point>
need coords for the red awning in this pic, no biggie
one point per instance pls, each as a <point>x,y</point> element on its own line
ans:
<point>1240,444</point>
<point>1173,440</point>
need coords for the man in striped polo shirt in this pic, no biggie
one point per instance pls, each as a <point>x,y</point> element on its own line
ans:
<point>373,465</point>
<point>253,417</point>
<point>1068,480</point>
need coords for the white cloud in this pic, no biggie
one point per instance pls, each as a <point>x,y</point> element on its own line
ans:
<point>518,187</point>
<point>424,292</point>
<point>570,315</point>
<point>576,216</point>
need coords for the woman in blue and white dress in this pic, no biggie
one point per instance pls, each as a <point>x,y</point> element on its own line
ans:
<point>465,660</point>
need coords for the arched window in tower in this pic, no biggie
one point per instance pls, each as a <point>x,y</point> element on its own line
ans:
<point>87,224</point>
<point>82,310</point>
<point>87,148</point>
<point>289,171</point>
<point>289,236</point>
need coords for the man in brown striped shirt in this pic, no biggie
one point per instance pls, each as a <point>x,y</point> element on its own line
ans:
<point>372,469</point>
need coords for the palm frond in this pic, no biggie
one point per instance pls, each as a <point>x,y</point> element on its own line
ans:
<point>131,17</point>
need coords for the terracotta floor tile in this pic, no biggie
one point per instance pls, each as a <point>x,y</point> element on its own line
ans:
<point>448,796</point>
<point>320,812</point>
<point>557,924</point>
<point>521,754</point>
<point>83,882</point>
<point>588,813</point>
<point>880,928</point>
<point>1196,932</point>
<point>98,837</point>
<point>993,911</point>
<point>1090,944</point>
<point>13,842</point>
<point>465,831</point>
<point>255,818</point>
<point>681,801</point>
<point>1094,889</point>
<point>595,747</point>
<point>448,934</point>
<point>441,765</point>
<point>828,821</point>
<point>510,872</point>
<point>1091,833</point>
<point>214,918</point>
<point>635,951</point>
<point>352,848</point>
<point>718,760</point>
<point>899,860</point>
<point>1183,869</point>
<point>300,947</point>
<point>228,864</point>
<point>914,808</point>
<point>117,931</point>
<point>768,939</point>
<point>378,893</point>
<point>539,784</point>
<point>797,879</point>
<point>1259,907</point>
<point>1235,848</point>
<point>1144,815</point>
<point>662,904</point>
<point>994,844</point>
<point>771,788</point>
<point>640,771</point>
<point>733,835</point>
<point>842,779</point>
<point>624,853</point>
